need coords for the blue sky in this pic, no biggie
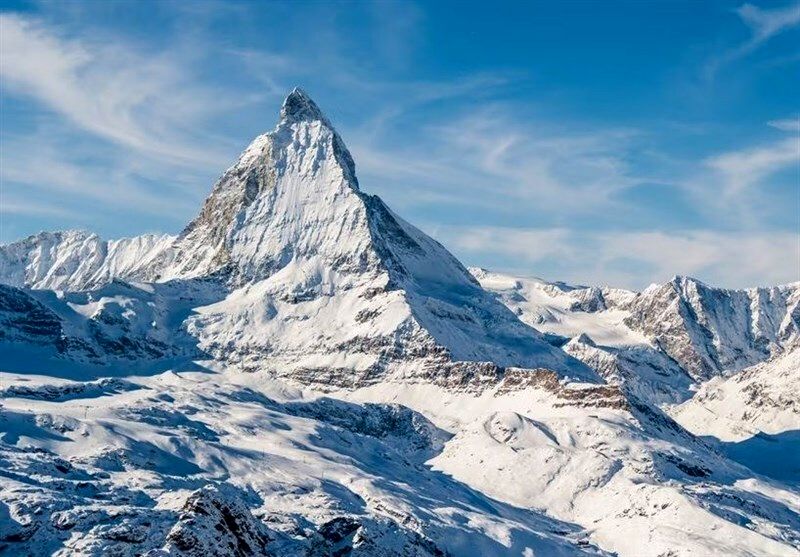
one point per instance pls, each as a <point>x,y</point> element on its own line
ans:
<point>595,142</point>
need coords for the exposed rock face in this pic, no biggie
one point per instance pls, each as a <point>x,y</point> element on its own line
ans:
<point>579,396</point>
<point>348,536</point>
<point>214,523</point>
<point>25,320</point>
<point>711,330</point>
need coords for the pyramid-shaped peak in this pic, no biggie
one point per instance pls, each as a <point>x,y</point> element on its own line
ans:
<point>583,338</point>
<point>299,107</point>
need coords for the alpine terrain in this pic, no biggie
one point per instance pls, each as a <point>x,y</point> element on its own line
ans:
<point>302,372</point>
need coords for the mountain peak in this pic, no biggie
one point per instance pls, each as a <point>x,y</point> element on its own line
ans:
<point>583,338</point>
<point>299,107</point>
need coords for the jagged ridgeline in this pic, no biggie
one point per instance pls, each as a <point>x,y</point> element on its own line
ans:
<point>293,269</point>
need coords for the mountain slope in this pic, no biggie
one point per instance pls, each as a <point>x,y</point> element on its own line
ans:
<point>195,463</point>
<point>752,416</point>
<point>302,474</point>
<point>77,260</point>
<point>762,398</point>
<point>712,331</point>
<point>347,284</point>
<point>663,339</point>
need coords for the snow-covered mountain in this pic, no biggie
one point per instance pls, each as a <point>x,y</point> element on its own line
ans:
<point>302,372</point>
<point>712,331</point>
<point>752,416</point>
<point>77,260</point>
<point>663,339</point>
<point>762,398</point>
<point>324,281</point>
<point>685,342</point>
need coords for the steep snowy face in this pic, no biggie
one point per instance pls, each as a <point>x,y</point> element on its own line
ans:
<point>327,280</point>
<point>762,398</point>
<point>754,415</point>
<point>291,195</point>
<point>711,331</point>
<point>77,260</point>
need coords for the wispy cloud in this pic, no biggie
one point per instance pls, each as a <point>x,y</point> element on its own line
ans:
<point>50,164</point>
<point>23,206</point>
<point>786,124</point>
<point>763,24</point>
<point>489,156</point>
<point>139,100</point>
<point>736,188</point>
<point>123,127</point>
<point>745,168</point>
<point>622,259</point>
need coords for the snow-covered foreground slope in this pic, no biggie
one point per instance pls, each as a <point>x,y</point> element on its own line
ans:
<point>120,466</point>
<point>640,483</point>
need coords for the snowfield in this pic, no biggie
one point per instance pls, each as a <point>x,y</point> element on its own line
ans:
<point>302,372</point>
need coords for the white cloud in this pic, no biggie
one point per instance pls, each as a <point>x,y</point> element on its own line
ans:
<point>25,207</point>
<point>135,99</point>
<point>489,156</point>
<point>732,259</point>
<point>745,168</point>
<point>786,124</point>
<point>763,24</point>
<point>49,167</point>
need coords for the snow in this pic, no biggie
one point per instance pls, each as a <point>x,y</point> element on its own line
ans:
<point>581,457</point>
<point>550,308</point>
<point>753,416</point>
<point>662,343</point>
<point>301,371</point>
<point>299,453</point>
<point>76,260</point>
<point>762,398</point>
<point>318,459</point>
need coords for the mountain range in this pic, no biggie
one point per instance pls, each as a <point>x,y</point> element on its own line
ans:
<point>302,372</point>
